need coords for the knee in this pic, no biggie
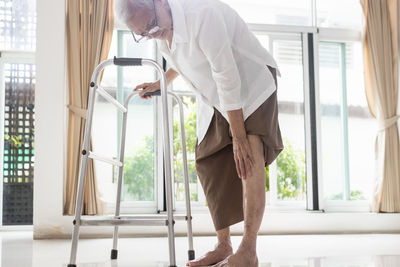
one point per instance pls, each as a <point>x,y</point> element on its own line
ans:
<point>256,144</point>
<point>257,149</point>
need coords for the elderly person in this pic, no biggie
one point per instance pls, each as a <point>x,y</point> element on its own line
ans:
<point>238,134</point>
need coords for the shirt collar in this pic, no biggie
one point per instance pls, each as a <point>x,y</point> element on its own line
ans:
<point>179,24</point>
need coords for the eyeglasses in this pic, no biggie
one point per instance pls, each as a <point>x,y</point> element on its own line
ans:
<point>155,28</point>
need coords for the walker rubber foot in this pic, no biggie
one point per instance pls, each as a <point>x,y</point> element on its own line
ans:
<point>114,254</point>
<point>71,265</point>
<point>191,254</point>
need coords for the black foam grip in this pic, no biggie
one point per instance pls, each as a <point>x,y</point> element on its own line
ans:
<point>127,61</point>
<point>158,92</point>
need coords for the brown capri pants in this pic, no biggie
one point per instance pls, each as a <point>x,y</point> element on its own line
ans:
<point>215,164</point>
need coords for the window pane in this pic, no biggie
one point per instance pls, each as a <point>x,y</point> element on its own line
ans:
<point>189,111</point>
<point>18,150</point>
<point>139,181</point>
<point>17,25</point>
<point>139,168</point>
<point>286,12</point>
<point>362,126</point>
<point>347,126</point>
<point>291,178</point>
<point>331,120</point>
<point>339,14</point>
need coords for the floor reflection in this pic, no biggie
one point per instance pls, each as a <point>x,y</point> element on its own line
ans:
<point>358,250</point>
<point>16,249</point>
<point>373,261</point>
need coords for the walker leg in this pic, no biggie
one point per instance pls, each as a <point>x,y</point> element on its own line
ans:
<point>78,212</point>
<point>168,174</point>
<point>114,251</point>
<point>171,240</point>
<point>74,246</point>
<point>171,235</point>
<point>186,181</point>
<point>82,179</point>
<point>78,207</point>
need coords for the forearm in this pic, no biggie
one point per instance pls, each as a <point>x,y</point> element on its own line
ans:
<point>236,123</point>
<point>171,74</point>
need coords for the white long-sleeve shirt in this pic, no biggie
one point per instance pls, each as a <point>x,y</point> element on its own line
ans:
<point>220,59</point>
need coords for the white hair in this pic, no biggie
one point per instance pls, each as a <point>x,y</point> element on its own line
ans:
<point>126,9</point>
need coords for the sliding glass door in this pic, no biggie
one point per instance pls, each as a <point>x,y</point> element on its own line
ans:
<point>346,124</point>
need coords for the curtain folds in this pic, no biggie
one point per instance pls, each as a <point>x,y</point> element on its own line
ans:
<point>89,25</point>
<point>381,60</point>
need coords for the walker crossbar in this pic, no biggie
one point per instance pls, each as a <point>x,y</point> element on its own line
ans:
<point>111,99</point>
<point>146,220</point>
<point>130,220</point>
<point>105,159</point>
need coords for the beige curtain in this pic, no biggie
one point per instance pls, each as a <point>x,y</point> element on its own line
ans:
<point>89,31</point>
<point>380,43</point>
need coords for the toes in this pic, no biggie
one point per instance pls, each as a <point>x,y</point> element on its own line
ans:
<point>197,262</point>
<point>193,263</point>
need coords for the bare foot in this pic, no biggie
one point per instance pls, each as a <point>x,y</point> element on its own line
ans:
<point>220,252</point>
<point>241,258</point>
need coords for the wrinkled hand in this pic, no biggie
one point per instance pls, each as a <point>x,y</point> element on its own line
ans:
<point>147,87</point>
<point>243,156</point>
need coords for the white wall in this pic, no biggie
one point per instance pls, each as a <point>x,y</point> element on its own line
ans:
<point>49,117</point>
<point>50,124</point>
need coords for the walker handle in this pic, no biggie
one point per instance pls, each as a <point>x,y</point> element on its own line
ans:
<point>125,61</point>
<point>158,92</point>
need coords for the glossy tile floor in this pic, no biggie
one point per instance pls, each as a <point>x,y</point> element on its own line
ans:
<point>358,250</point>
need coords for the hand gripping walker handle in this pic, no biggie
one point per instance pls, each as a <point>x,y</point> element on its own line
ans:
<point>158,92</point>
<point>133,62</point>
